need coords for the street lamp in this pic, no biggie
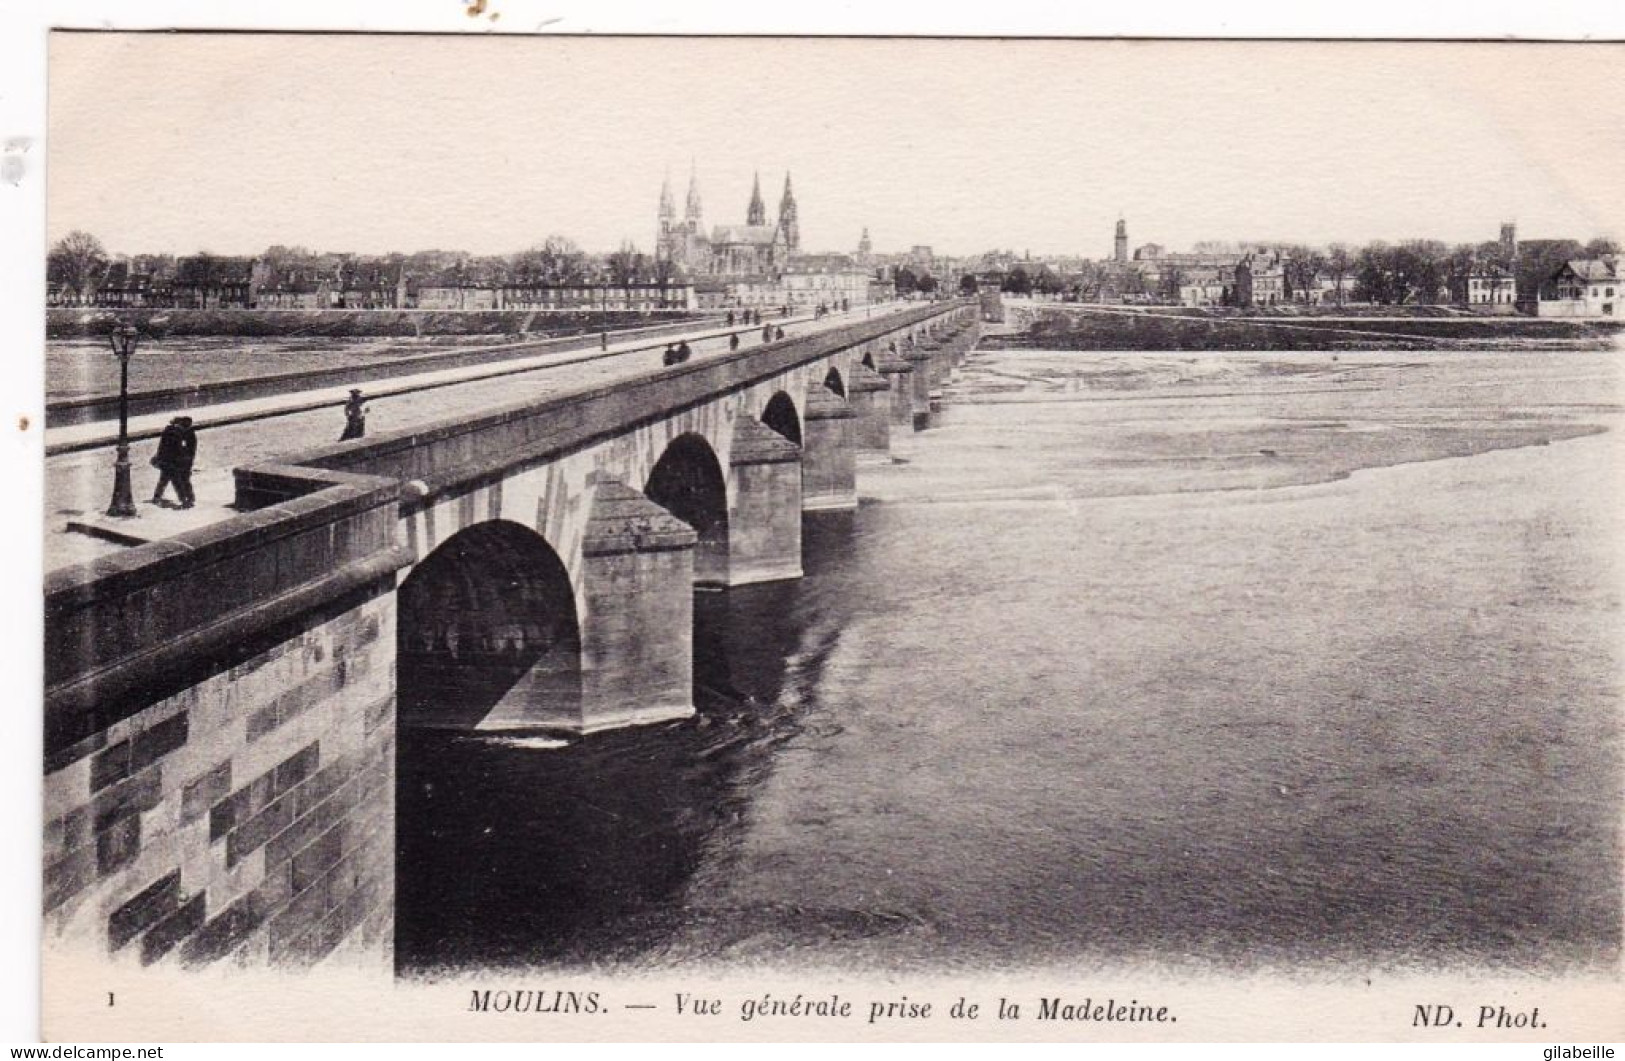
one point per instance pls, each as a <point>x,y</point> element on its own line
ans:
<point>123,339</point>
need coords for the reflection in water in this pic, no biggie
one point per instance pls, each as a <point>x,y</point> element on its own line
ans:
<point>1231,677</point>
<point>519,850</point>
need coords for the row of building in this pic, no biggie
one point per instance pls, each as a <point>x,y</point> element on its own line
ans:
<point>1262,275</point>
<point>210,282</point>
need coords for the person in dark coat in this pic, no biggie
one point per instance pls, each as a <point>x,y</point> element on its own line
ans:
<point>767,333</point>
<point>177,450</point>
<point>355,417</point>
<point>670,356</point>
<point>683,351</point>
<point>778,333</point>
<point>733,341</point>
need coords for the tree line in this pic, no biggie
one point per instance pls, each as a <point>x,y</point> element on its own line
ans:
<point>79,262</point>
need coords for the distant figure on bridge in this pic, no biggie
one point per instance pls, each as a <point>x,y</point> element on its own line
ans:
<point>355,416</point>
<point>683,351</point>
<point>778,333</point>
<point>730,318</point>
<point>733,341</point>
<point>767,333</point>
<point>671,356</point>
<point>177,450</point>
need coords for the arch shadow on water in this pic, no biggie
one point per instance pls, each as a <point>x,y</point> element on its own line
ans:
<point>524,853</point>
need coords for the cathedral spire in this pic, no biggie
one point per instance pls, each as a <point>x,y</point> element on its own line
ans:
<point>668,206</point>
<point>789,221</point>
<point>757,212</point>
<point>692,213</point>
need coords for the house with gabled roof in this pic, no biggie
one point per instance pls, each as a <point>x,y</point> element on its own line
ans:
<point>1586,287</point>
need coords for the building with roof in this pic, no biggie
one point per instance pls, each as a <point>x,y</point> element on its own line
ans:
<point>1491,286</point>
<point>1589,287</point>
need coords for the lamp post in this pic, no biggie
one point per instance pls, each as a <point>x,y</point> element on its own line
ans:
<point>123,339</point>
<point>603,315</point>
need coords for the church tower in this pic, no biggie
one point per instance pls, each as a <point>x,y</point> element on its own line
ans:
<point>668,214</point>
<point>757,212</point>
<point>866,249</point>
<point>788,221</point>
<point>1120,252</point>
<point>692,219</point>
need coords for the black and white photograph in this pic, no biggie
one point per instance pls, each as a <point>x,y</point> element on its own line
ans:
<point>560,536</point>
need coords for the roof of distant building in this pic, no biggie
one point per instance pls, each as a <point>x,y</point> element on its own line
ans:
<point>753,234</point>
<point>1595,268</point>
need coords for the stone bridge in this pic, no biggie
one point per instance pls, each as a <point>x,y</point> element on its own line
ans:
<point>221,707</point>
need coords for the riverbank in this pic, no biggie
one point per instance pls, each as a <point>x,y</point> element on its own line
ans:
<point>1097,328</point>
<point>346,323</point>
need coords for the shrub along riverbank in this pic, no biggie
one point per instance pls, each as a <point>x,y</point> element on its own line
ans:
<point>1061,330</point>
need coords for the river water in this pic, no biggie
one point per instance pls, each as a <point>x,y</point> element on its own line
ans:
<point>1223,661</point>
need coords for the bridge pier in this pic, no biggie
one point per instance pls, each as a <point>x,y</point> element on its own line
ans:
<point>919,359</point>
<point>829,478</point>
<point>764,539</point>
<point>871,406</point>
<point>637,631</point>
<point>898,374</point>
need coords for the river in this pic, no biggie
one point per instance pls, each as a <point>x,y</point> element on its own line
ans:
<point>1226,661</point>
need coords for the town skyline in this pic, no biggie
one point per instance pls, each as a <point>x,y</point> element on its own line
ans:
<point>963,168</point>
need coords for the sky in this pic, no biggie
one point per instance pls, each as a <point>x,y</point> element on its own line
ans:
<point>232,142</point>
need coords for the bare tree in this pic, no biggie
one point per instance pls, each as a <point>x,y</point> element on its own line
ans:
<point>77,262</point>
<point>1339,263</point>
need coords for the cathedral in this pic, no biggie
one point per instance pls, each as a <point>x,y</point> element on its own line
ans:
<point>754,249</point>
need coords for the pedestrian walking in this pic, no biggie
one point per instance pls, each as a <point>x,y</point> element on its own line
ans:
<point>733,341</point>
<point>767,333</point>
<point>671,356</point>
<point>730,318</point>
<point>177,451</point>
<point>778,333</point>
<point>355,416</point>
<point>683,351</point>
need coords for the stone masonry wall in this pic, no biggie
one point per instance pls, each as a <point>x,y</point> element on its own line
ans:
<point>250,816</point>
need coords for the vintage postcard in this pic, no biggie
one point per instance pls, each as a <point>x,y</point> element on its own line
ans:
<point>757,538</point>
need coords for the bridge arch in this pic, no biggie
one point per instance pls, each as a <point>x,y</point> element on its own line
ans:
<point>780,414</point>
<point>488,634</point>
<point>833,380</point>
<point>688,482</point>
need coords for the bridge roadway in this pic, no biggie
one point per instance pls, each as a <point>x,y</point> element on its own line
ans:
<point>79,457</point>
